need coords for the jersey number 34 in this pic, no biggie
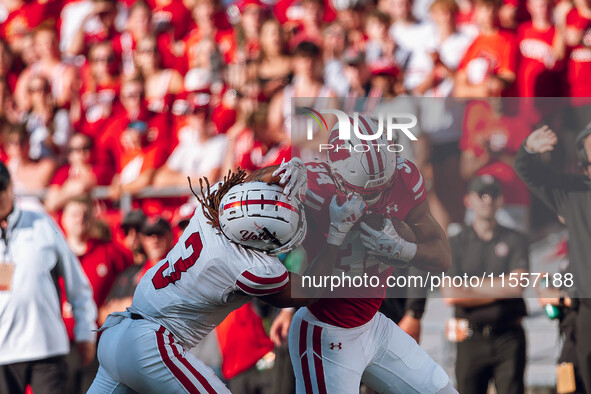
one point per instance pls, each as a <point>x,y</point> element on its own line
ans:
<point>160,281</point>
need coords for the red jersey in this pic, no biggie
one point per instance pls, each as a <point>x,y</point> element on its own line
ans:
<point>224,38</point>
<point>101,263</point>
<point>124,45</point>
<point>489,55</point>
<point>97,105</point>
<point>504,133</point>
<point>24,19</point>
<point>171,13</point>
<point>406,192</point>
<point>66,172</point>
<point>579,59</point>
<point>537,74</point>
<point>251,154</point>
<point>291,11</point>
<point>113,149</point>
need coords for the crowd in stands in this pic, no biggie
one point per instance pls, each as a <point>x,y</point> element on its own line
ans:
<point>128,94</point>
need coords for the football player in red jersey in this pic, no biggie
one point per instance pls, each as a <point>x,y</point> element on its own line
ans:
<point>336,343</point>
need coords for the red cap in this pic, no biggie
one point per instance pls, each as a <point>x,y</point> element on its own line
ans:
<point>243,4</point>
<point>384,67</point>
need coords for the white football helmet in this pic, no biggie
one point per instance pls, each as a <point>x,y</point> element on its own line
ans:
<point>258,215</point>
<point>360,166</point>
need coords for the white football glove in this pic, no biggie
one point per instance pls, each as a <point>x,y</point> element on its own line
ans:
<point>294,178</point>
<point>343,217</point>
<point>386,242</point>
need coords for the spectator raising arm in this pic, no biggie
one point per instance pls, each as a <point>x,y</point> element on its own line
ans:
<point>545,182</point>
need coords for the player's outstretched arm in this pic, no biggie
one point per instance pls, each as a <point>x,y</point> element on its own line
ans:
<point>433,251</point>
<point>292,175</point>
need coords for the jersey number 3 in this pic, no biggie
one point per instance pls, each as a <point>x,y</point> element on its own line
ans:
<point>181,265</point>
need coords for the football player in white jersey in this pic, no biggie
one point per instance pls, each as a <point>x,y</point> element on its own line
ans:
<point>225,256</point>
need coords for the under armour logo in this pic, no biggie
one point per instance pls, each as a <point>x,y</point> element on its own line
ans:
<point>338,346</point>
<point>386,248</point>
<point>392,208</point>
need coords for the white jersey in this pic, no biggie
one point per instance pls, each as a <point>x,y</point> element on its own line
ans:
<point>202,279</point>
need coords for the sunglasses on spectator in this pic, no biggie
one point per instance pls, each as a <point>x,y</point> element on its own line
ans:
<point>84,148</point>
<point>103,59</point>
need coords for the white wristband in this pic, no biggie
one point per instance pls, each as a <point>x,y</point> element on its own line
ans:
<point>408,251</point>
<point>335,237</point>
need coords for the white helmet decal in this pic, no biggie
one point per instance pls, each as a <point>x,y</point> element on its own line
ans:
<point>362,166</point>
<point>259,215</point>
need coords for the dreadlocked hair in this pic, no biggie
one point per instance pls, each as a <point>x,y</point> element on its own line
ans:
<point>210,200</point>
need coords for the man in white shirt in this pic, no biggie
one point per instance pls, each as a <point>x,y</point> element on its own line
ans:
<point>33,338</point>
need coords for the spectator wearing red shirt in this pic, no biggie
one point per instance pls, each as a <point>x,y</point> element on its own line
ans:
<point>99,90</point>
<point>101,260</point>
<point>577,36</point>
<point>311,24</point>
<point>170,15</point>
<point>77,177</point>
<point>157,240</point>
<point>134,138</point>
<point>161,85</point>
<point>289,13</point>
<point>97,26</point>
<point>488,67</point>
<point>538,64</point>
<point>248,29</point>
<point>138,159</point>
<point>63,78</point>
<point>24,16</point>
<point>489,144</point>
<point>258,145</point>
<point>139,26</point>
<point>208,26</point>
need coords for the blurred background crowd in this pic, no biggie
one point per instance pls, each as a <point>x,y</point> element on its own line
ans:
<point>126,99</point>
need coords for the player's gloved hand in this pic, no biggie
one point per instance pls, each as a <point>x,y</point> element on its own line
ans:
<point>344,213</point>
<point>386,242</point>
<point>294,178</point>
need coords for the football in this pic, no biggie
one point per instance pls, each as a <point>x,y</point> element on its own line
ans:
<point>376,221</point>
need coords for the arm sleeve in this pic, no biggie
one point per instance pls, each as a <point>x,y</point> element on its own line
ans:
<point>520,254</point>
<point>78,290</point>
<point>548,185</point>
<point>263,280</point>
